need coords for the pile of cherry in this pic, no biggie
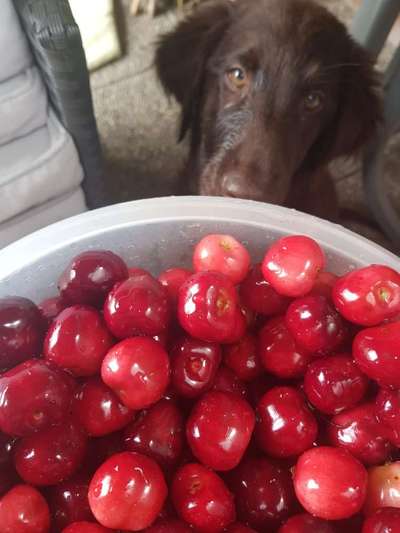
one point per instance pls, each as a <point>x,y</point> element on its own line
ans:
<point>230,398</point>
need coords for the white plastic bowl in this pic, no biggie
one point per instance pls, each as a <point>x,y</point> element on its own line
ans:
<point>159,233</point>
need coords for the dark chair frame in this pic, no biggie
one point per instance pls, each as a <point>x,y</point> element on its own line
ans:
<point>371,27</point>
<point>56,44</point>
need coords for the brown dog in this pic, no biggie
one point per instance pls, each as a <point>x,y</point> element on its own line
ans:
<point>271,91</point>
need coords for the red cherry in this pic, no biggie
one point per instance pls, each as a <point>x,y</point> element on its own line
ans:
<point>8,478</point>
<point>383,487</point>
<point>278,351</point>
<point>127,492</point>
<point>315,325</point>
<point>385,520</point>
<point>222,253</point>
<point>135,271</point>
<point>291,265</point>
<point>207,307</point>
<point>202,499</point>
<point>333,384</point>
<point>237,527</point>
<point>263,492</point>
<point>306,523</point>
<point>194,364</point>
<point>375,350</point>
<point>51,308</point>
<point>137,370</point>
<point>86,527</point>
<point>330,483</point>
<point>6,444</point>
<point>257,294</point>
<point>21,331</point>
<point>350,525</point>
<point>90,276</point>
<point>33,396</point>
<point>285,426</point>
<point>172,279</point>
<point>388,411</point>
<point>368,295</point>
<point>359,431</point>
<point>258,387</point>
<point>239,328</point>
<point>137,306</point>
<point>158,433</point>
<point>242,358</point>
<point>68,502</point>
<point>219,429</point>
<point>24,510</point>
<point>169,526</point>
<point>102,448</point>
<point>98,409</point>
<point>52,455</point>
<point>78,340</point>
<point>227,381</point>
<point>324,284</point>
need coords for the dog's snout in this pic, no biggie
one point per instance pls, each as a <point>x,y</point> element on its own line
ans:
<point>233,185</point>
<point>237,186</point>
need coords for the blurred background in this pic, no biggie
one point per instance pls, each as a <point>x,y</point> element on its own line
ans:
<point>138,125</point>
<point>62,115</point>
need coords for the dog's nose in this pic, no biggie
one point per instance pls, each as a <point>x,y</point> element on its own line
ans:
<point>233,185</point>
<point>236,186</point>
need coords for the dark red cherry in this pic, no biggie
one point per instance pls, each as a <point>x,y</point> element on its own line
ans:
<point>90,276</point>
<point>219,429</point>
<point>263,492</point>
<point>285,425</point>
<point>202,499</point>
<point>257,294</point>
<point>52,455</point>
<point>78,340</point>
<point>158,433</point>
<point>316,325</point>
<point>21,331</point>
<point>194,364</point>
<point>99,410</point>
<point>33,396</point>
<point>137,306</point>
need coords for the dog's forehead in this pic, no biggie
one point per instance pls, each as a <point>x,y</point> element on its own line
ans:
<point>297,28</point>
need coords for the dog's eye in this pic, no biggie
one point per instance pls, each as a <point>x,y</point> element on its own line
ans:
<point>237,78</point>
<point>314,101</point>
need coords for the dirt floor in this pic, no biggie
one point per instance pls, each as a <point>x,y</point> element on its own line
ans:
<point>138,124</point>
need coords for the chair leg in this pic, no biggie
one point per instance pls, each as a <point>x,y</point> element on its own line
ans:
<point>151,7</point>
<point>377,196</point>
<point>135,5</point>
<point>373,22</point>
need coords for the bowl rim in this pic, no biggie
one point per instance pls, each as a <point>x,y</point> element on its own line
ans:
<point>59,235</point>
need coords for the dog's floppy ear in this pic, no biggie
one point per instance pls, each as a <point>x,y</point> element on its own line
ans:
<point>181,55</point>
<point>360,109</point>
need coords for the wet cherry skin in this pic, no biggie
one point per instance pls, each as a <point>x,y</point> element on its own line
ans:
<point>367,296</point>
<point>386,520</point>
<point>292,265</point>
<point>33,396</point>
<point>202,499</point>
<point>330,483</point>
<point>306,523</point>
<point>285,425</point>
<point>219,429</point>
<point>21,331</point>
<point>24,510</point>
<point>127,492</point>
<point>137,370</point>
<point>90,276</point>
<point>242,358</point>
<point>78,340</point>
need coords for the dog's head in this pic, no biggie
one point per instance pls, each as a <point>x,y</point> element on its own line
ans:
<point>269,89</point>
